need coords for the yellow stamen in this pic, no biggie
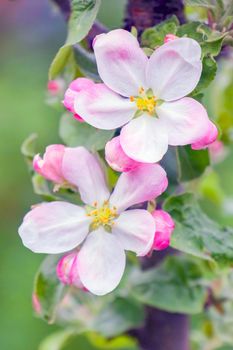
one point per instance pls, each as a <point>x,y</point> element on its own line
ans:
<point>145,101</point>
<point>103,216</point>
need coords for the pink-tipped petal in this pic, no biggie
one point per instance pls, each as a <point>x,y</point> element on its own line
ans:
<point>54,227</point>
<point>174,69</point>
<point>101,262</point>
<point>209,138</point>
<point>170,37</point>
<point>164,228</point>
<point>50,166</point>
<point>116,157</point>
<point>74,88</point>
<point>67,270</point>
<point>102,108</point>
<point>186,121</point>
<point>144,139</point>
<point>121,62</point>
<point>135,229</point>
<point>83,169</point>
<point>137,186</point>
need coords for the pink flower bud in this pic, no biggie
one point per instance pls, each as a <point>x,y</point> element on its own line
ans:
<point>55,86</point>
<point>50,166</point>
<point>164,228</point>
<point>207,139</point>
<point>72,93</point>
<point>170,37</point>
<point>36,304</point>
<point>67,270</point>
<point>116,157</point>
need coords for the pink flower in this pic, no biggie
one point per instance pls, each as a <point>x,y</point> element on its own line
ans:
<point>164,228</point>
<point>55,86</point>
<point>170,37</point>
<point>50,166</point>
<point>67,270</point>
<point>145,95</point>
<point>217,151</point>
<point>72,92</point>
<point>36,303</point>
<point>103,228</point>
<point>116,157</point>
<point>210,137</point>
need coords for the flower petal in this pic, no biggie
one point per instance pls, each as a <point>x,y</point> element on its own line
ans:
<point>209,138</point>
<point>102,108</point>
<point>185,120</point>
<point>174,69</point>
<point>54,227</point>
<point>121,62</point>
<point>82,168</point>
<point>116,157</point>
<point>135,229</point>
<point>139,185</point>
<point>144,139</point>
<point>101,262</point>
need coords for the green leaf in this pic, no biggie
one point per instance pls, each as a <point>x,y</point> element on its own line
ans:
<point>60,60</point>
<point>198,235</point>
<point>191,163</point>
<point>74,133</point>
<point>71,340</point>
<point>48,289</point>
<point>119,316</point>
<point>173,286</point>
<point>41,187</point>
<point>86,62</point>
<point>209,4</point>
<point>207,76</point>
<point>154,36</point>
<point>28,146</point>
<point>83,14</point>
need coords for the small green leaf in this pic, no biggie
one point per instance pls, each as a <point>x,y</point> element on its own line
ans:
<point>86,62</point>
<point>74,133</point>
<point>83,14</point>
<point>197,234</point>
<point>28,146</point>
<point>173,286</point>
<point>154,36</point>
<point>48,289</point>
<point>60,60</point>
<point>120,343</point>
<point>41,187</point>
<point>191,163</point>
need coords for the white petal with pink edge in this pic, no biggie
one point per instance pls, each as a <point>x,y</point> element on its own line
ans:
<point>144,139</point>
<point>135,229</point>
<point>188,48</point>
<point>121,62</point>
<point>172,72</point>
<point>83,169</point>
<point>102,108</point>
<point>209,138</point>
<point>139,185</point>
<point>101,262</point>
<point>185,120</point>
<point>54,227</point>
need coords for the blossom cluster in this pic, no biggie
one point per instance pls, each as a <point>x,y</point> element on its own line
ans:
<point>146,97</point>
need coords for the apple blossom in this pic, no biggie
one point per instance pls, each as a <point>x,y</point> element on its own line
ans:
<point>145,95</point>
<point>55,87</point>
<point>164,228</point>
<point>116,157</point>
<point>207,139</point>
<point>103,228</point>
<point>170,37</point>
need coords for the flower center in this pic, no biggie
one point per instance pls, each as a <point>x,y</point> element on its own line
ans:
<point>145,101</point>
<point>102,216</point>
